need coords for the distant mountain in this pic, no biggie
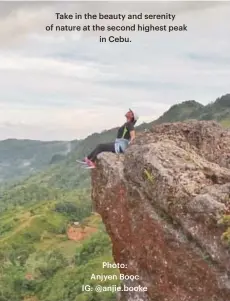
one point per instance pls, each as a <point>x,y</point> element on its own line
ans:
<point>19,158</point>
<point>218,110</point>
<point>180,112</point>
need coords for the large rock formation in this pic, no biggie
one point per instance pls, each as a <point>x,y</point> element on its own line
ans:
<point>161,204</point>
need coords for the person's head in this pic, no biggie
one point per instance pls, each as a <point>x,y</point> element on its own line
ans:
<point>131,116</point>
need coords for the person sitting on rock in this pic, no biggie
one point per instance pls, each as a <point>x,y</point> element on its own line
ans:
<point>125,136</point>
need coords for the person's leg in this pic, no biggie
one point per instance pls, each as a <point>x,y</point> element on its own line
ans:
<point>106,147</point>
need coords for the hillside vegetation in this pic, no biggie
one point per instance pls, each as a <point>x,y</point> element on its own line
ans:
<point>39,255</point>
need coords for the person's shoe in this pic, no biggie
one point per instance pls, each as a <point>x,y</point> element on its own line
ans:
<point>81,162</point>
<point>86,160</point>
<point>90,163</point>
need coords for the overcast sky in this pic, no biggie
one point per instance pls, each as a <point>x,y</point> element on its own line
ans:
<point>67,85</point>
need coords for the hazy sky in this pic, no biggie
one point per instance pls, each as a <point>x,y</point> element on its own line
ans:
<point>68,85</point>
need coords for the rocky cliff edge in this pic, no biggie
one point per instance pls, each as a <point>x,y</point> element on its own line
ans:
<point>162,204</point>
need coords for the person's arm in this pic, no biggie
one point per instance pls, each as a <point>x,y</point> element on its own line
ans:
<point>130,128</point>
<point>132,136</point>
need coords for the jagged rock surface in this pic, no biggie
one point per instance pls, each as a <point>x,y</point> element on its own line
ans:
<point>161,202</point>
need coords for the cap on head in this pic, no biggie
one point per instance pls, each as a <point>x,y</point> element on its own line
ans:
<point>135,116</point>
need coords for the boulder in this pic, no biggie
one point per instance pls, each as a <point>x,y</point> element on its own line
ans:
<point>162,203</point>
